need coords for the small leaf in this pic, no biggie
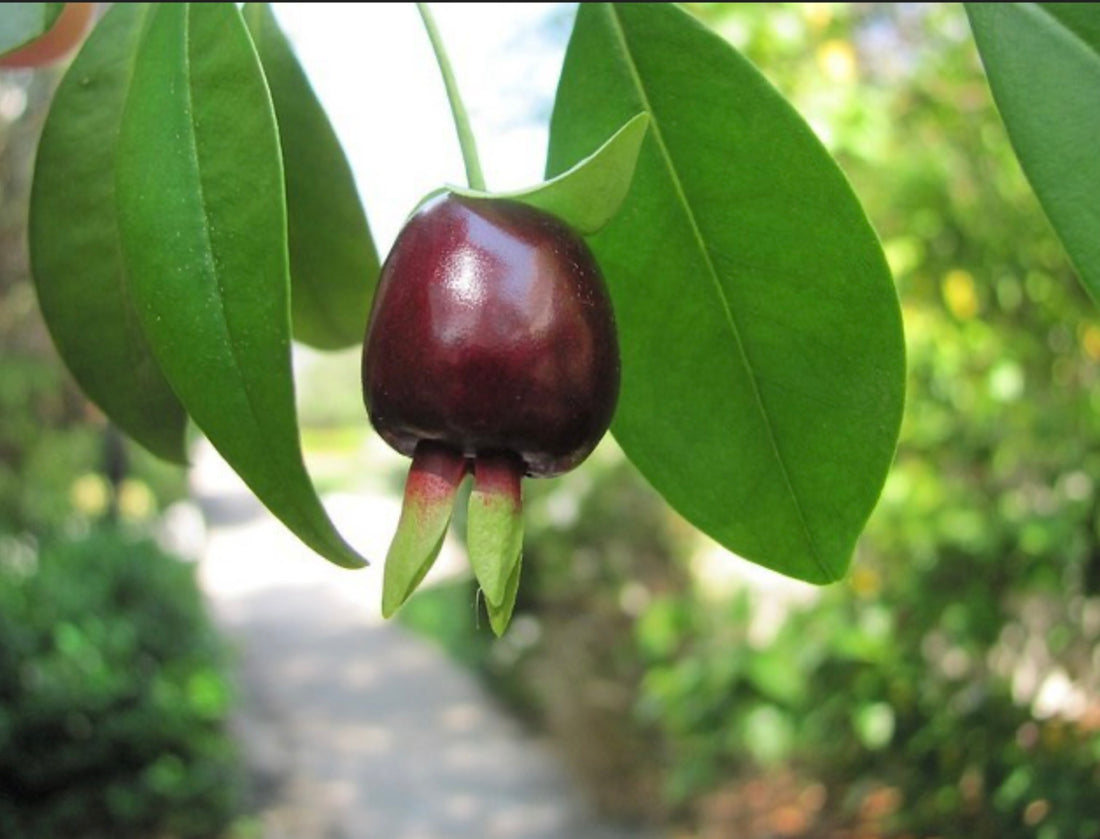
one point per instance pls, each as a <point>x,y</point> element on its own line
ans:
<point>494,524</point>
<point>1043,64</point>
<point>588,195</point>
<point>76,253</point>
<point>333,262</point>
<point>21,23</point>
<point>762,350</point>
<point>203,221</point>
<point>433,481</point>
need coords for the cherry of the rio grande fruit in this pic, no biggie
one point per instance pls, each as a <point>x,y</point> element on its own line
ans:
<point>491,348</point>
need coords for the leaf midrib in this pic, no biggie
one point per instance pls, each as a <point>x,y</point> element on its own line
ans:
<point>658,134</point>
<point>208,257</point>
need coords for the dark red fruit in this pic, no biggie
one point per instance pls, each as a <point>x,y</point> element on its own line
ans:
<point>492,333</point>
<point>491,349</point>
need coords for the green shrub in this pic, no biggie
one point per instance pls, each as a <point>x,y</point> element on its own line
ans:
<point>899,737</point>
<point>113,698</point>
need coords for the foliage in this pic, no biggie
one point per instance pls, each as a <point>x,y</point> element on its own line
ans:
<point>598,549</point>
<point>53,460</point>
<point>949,686</point>
<point>766,278</point>
<point>742,268</point>
<point>1040,57</point>
<point>36,460</point>
<point>925,689</point>
<point>866,705</point>
<point>52,441</point>
<point>766,287</point>
<point>113,694</point>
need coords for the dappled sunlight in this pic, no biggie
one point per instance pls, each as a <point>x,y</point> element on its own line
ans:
<point>651,683</point>
<point>384,733</point>
<point>254,552</point>
<point>377,720</point>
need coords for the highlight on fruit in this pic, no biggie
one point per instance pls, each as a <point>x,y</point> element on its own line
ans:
<point>491,350</point>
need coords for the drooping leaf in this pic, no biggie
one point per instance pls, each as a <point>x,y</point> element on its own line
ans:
<point>21,23</point>
<point>203,221</point>
<point>1043,64</point>
<point>76,253</point>
<point>763,359</point>
<point>333,262</point>
<point>588,195</point>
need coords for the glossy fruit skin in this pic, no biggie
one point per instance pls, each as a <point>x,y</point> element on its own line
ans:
<point>492,332</point>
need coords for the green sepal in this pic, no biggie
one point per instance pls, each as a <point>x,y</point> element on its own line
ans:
<point>500,616</point>
<point>494,525</point>
<point>433,481</point>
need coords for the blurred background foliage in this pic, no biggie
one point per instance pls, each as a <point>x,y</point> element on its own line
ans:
<point>951,685</point>
<point>56,456</point>
<point>115,694</point>
<point>113,698</point>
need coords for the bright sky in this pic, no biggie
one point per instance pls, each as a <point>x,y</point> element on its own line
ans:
<point>373,69</point>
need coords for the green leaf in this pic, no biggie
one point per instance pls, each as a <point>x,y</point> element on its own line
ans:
<point>333,262</point>
<point>76,253</point>
<point>588,195</point>
<point>763,356</point>
<point>1043,64</point>
<point>203,221</point>
<point>21,23</point>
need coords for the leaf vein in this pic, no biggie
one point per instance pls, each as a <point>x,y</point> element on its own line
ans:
<point>708,259</point>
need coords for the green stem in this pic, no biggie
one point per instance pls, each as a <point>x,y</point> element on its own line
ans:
<point>474,177</point>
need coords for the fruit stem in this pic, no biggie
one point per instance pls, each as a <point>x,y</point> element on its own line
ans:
<point>474,176</point>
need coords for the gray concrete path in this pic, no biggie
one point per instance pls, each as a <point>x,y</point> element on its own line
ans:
<point>355,728</point>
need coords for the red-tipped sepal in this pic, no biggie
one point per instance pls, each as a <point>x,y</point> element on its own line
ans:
<point>434,478</point>
<point>494,533</point>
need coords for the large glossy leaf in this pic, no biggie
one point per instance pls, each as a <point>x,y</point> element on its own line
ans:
<point>763,357</point>
<point>203,220</point>
<point>76,252</point>
<point>23,22</point>
<point>1043,64</point>
<point>333,262</point>
<point>588,195</point>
